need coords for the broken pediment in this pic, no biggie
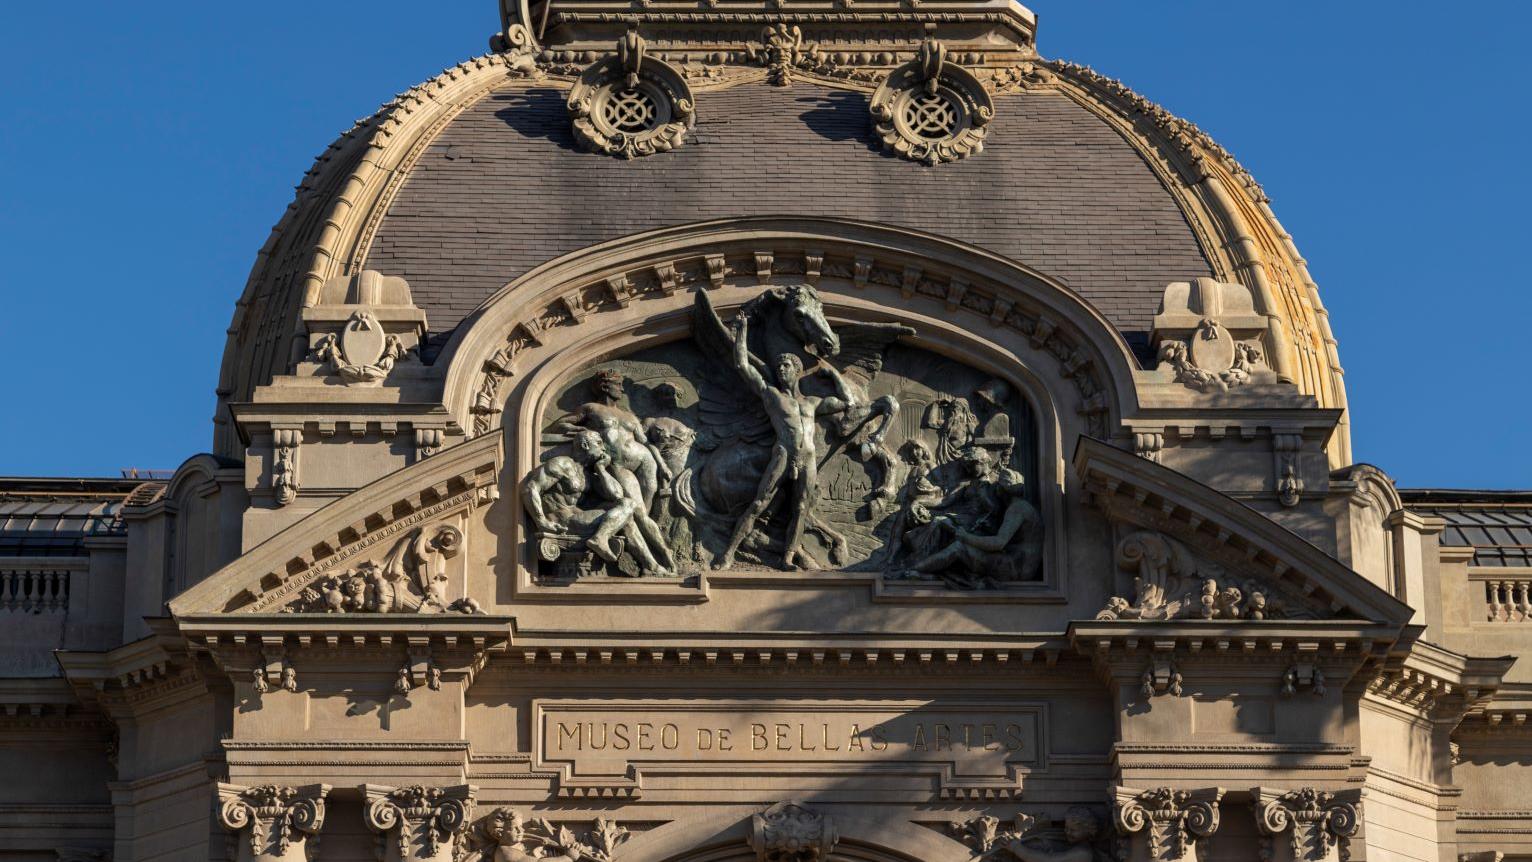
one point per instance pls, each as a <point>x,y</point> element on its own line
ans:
<point>1194,553</point>
<point>391,547</point>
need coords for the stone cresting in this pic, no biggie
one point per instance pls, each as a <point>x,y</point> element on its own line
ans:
<point>1319,825</point>
<point>767,386</point>
<point>931,110</point>
<point>702,271</point>
<point>272,823</point>
<point>505,835</point>
<point>417,822</point>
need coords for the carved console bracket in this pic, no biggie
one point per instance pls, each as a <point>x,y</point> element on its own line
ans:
<point>1319,825</point>
<point>790,832</point>
<point>418,823</point>
<point>284,464</point>
<point>1161,676</point>
<point>931,110</point>
<point>271,822</point>
<point>1164,824</point>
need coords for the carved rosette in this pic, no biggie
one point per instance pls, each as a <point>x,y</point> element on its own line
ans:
<point>1319,825</point>
<point>418,823</point>
<point>271,822</point>
<point>789,832</point>
<point>931,110</point>
<point>628,104</point>
<point>1169,822</point>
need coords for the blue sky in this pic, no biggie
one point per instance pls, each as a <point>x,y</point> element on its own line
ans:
<point>148,148</point>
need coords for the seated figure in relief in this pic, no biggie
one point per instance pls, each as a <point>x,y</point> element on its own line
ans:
<point>623,434</point>
<point>553,491</point>
<point>984,533</point>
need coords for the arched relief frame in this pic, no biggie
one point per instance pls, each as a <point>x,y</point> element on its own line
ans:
<point>1002,319</point>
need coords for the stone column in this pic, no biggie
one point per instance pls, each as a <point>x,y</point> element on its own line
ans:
<point>272,823</point>
<point>418,823</point>
<point>1164,824</point>
<point>1318,825</point>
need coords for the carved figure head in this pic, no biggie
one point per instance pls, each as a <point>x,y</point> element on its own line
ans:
<point>588,447</point>
<point>978,462</point>
<point>607,386</point>
<point>789,369</point>
<point>1080,825</point>
<point>916,454</point>
<point>505,826</point>
<point>805,319</point>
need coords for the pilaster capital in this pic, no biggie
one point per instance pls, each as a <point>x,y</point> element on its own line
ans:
<point>272,822</point>
<point>418,822</point>
<point>1319,824</point>
<point>1164,822</point>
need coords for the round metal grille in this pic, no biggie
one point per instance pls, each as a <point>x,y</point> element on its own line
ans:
<point>630,110</point>
<point>931,116</point>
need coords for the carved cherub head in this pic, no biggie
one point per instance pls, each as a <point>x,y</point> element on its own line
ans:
<point>1080,825</point>
<point>505,826</point>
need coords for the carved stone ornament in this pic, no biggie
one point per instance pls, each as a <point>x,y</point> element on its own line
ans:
<point>1161,676</point>
<point>1209,335</point>
<point>1077,839</point>
<point>1169,583</point>
<point>284,464</point>
<point>504,835</point>
<point>773,440</point>
<point>1319,825</point>
<point>270,822</point>
<point>628,104</point>
<point>1167,823</point>
<point>411,579</point>
<point>362,352</point>
<point>789,832</point>
<point>931,110</point>
<point>418,823</point>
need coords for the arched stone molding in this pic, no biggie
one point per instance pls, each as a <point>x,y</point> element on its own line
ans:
<point>724,837</point>
<point>1066,361</point>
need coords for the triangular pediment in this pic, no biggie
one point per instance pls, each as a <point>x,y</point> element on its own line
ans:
<point>395,522</point>
<point>1188,535</point>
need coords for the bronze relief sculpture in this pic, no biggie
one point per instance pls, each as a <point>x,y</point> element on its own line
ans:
<point>770,440</point>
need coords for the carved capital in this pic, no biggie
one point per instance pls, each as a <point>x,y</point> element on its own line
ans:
<point>789,832</point>
<point>416,822</point>
<point>272,822</point>
<point>1165,823</point>
<point>1319,825</point>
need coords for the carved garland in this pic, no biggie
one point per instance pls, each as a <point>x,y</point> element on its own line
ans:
<point>712,270</point>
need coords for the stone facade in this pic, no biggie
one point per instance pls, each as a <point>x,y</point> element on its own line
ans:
<point>762,433</point>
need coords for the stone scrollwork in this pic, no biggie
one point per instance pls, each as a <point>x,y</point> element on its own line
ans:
<point>1319,824</point>
<point>776,440</point>
<point>790,832</point>
<point>271,822</point>
<point>504,835</point>
<point>361,352</point>
<point>1167,822</point>
<point>931,110</point>
<point>411,579</point>
<point>1169,583</point>
<point>1078,838</point>
<point>1209,336</point>
<point>417,822</point>
<point>629,104</point>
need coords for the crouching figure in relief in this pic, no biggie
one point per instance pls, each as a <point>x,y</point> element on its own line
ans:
<point>983,534</point>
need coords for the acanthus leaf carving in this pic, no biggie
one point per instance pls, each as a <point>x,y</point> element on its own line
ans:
<point>418,822</point>
<point>505,835</point>
<point>791,832</point>
<point>1319,824</point>
<point>273,823</point>
<point>1167,822</point>
<point>410,579</point>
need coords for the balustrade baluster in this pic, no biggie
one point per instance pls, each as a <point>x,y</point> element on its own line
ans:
<point>1492,595</point>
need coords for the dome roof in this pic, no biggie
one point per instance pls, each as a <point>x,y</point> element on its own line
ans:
<point>471,180</point>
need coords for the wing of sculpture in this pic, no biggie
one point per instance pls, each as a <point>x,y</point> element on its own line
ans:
<point>863,347</point>
<point>726,410</point>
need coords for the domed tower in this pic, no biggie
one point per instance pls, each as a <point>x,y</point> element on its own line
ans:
<point>789,430</point>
